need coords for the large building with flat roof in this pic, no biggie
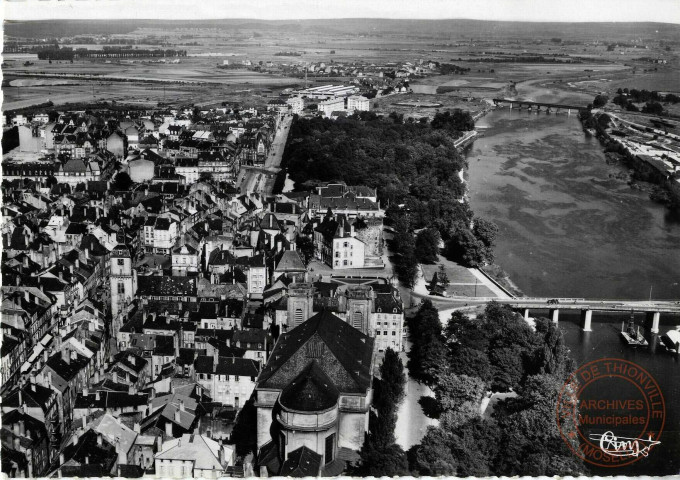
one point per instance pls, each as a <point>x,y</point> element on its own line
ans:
<point>326,92</point>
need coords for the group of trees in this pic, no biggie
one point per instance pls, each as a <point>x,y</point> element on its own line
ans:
<point>440,279</point>
<point>628,99</point>
<point>472,247</point>
<point>413,165</point>
<point>456,121</point>
<point>600,101</point>
<point>305,247</point>
<point>451,68</point>
<point>68,53</point>
<point>497,351</point>
<point>380,454</point>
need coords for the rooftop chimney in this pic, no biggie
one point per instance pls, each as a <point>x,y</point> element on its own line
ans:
<point>181,405</point>
<point>168,429</point>
<point>177,416</point>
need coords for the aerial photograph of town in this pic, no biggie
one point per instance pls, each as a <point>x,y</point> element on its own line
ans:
<point>325,239</point>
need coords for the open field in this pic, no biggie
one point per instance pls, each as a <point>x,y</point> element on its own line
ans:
<point>431,104</point>
<point>492,51</point>
<point>193,69</point>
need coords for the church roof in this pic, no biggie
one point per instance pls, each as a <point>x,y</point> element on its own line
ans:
<point>311,391</point>
<point>341,351</point>
<point>302,462</point>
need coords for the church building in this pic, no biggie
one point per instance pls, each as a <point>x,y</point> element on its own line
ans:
<point>374,309</point>
<point>314,395</point>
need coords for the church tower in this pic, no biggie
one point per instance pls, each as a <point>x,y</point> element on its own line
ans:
<point>300,303</point>
<point>359,301</point>
<point>123,281</point>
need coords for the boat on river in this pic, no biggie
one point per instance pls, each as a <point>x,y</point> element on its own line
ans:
<point>671,340</point>
<point>631,333</point>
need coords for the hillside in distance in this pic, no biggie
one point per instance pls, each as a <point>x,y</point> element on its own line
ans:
<point>449,28</point>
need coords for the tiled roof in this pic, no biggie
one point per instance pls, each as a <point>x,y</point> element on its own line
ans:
<point>67,370</point>
<point>341,351</point>
<point>170,404</point>
<point>311,391</point>
<point>290,261</point>
<point>227,366</point>
<point>387,303</point>
<point>201,450</point>
<point>33,395</point>
<point>111,399</point>
<point>166,286</point>
<point>302,462</point>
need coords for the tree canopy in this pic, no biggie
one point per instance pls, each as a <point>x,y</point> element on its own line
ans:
<point>496,351</point>
<point>122,182</point>
<point>380,455</point>
<point>427,245</point>
<point>414,167</point>
<point>305,246</point>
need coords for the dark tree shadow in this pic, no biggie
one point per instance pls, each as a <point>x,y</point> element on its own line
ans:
<point>430,407</point>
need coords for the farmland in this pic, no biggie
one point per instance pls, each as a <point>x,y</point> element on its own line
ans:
<point>499,59</point>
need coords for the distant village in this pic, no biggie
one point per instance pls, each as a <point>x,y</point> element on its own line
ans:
<point>149,297</point>
<point>377,77</point>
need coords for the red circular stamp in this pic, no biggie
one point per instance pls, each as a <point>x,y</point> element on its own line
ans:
<point>611,412</point>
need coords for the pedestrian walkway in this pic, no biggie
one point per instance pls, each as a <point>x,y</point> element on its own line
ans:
<point>412,422</point>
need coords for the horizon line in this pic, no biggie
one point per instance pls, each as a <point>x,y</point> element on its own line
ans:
<point>5,20</point>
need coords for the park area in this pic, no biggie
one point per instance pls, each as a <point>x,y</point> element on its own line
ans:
<point>462,282</point>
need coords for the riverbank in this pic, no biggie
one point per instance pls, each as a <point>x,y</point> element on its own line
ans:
<point>641,149</point>
<point>498,275</point>
<point>493,273</point>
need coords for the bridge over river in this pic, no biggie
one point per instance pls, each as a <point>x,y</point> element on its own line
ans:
<point>549,107</point>
<point>653,309</point>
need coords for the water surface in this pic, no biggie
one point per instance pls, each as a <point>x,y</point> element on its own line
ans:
<point>569,227</point>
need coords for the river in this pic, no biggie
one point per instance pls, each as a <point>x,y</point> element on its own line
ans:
<point>568,227</point>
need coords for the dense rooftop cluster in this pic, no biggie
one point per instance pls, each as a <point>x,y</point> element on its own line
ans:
<point>144,295</point>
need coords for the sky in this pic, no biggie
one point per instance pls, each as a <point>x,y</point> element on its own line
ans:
<point>667,11</point>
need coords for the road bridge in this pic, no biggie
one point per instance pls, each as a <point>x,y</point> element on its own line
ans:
<point>586,306</point>
<point>547,106</point>
<point>653,309</point>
